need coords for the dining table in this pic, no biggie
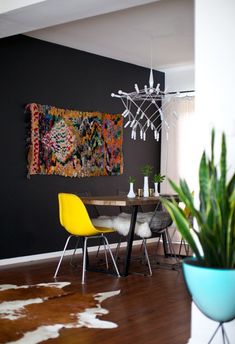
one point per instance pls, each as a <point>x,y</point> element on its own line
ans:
<point>134,204</point>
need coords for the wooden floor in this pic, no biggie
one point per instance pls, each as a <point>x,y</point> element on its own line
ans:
<point>149,309</point>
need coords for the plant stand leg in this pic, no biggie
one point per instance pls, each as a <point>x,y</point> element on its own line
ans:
<point>224,335</point>
<point>214,334</point>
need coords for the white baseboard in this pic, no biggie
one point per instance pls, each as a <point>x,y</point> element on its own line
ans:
<point>35,257</point>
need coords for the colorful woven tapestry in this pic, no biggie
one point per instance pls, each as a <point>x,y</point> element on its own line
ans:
<point>74,143</point>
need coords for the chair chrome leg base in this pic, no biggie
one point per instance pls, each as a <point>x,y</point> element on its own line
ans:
<point>84,259</point>
<point>62,256</point>
<point>147,257</point>
<point>106,244</point>
<point>111,255</point>
<point>74,252</point>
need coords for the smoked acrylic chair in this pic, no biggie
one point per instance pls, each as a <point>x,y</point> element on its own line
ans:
<point>76,221</point>
<point>159,224</point>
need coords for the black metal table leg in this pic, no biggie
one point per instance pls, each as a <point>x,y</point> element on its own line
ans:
<point>130,241</point>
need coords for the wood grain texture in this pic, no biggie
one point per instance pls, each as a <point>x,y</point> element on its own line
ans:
<point>119,201</point>
<point>149,310</point>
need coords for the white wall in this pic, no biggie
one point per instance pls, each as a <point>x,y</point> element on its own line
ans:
<point>173,147</point>
<point>179,78</point>
<point>214,83</point>
<point>215,70</point>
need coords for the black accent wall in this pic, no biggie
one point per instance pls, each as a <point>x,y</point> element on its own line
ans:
<point>36,71</point>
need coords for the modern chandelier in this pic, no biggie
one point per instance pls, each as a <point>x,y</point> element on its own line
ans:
<point>144,109</point>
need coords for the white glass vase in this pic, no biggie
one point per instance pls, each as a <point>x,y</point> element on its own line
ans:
<point>146,186</point>
<point>156,193</point>
<point>131,193</point>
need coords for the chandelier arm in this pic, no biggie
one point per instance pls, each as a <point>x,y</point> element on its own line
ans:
<point>136,105</point>
<point>144,100</point>
<point>149,108</point>
<point>150,118</point>
<point>126,105</point>
<point>172,122</point>
<point>152,121</point>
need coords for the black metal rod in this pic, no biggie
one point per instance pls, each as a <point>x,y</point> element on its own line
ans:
<point>130,240</point>
<point>176,92</point>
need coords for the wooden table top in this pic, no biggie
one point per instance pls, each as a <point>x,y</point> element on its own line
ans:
<point>123,200</point>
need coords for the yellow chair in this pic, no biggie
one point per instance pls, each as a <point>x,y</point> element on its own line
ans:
<point>75,219</point>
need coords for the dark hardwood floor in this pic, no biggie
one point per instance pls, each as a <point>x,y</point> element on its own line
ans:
<point>148,310</point>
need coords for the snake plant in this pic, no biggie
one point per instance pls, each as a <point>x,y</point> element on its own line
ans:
<point>213,238</point>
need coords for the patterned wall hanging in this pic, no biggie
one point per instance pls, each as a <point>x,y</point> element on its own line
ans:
<point>74,143</point>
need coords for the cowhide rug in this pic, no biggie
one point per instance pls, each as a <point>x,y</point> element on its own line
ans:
<point>30,314</point>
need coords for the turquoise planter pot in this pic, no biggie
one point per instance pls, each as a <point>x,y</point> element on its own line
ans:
<point>212,290</point>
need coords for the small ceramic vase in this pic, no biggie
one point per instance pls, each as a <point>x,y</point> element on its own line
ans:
<point>156,193</point>
<point>146,186</point>
<point>131,193</point>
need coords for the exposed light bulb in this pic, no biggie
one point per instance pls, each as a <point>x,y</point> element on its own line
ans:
<point>158,88</point>
<point>167,125</point>
<point>137,88</point>
<point>132,123</point>
<point>144,107</point>
<point>125,113</point>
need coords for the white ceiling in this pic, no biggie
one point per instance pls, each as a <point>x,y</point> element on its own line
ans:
<point>126,30</point>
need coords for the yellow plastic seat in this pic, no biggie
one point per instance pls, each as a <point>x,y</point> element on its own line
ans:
<point>76,221</point>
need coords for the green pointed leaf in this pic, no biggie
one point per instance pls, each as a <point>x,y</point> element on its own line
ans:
<point>216,215</point>
<point>204,182</point>
<point>223,165</point>
<point>212,146</point>
<point>185,195</point>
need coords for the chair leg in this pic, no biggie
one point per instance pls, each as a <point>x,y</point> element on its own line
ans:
<point>181,243</point>
<point>147,257</point>
<point>75,249</point>
<point>171,247</point>
<point>186,247</point>
<point>117,249</point>
<point>112,257</point>
<point>158,243</point>
<point>62,256</point>
<point>98,249</point>
<point>105,254</point>
<point>84,259</point>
